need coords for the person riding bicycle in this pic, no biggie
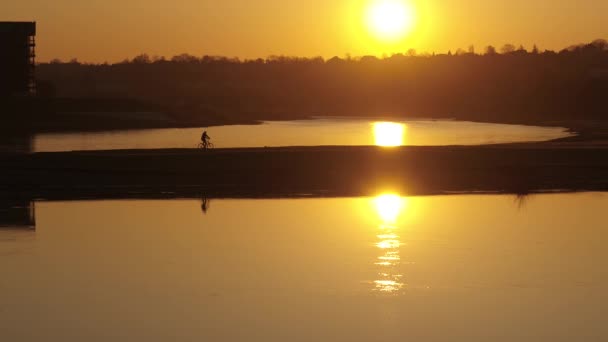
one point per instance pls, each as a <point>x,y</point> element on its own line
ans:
<point>205,139</point>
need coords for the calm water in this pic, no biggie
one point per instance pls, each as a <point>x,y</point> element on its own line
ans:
<point>451,268</point>
<point>327,131</point>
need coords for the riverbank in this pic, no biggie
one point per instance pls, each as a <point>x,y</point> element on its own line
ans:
<point>306,171</point>
<point>27,116</point>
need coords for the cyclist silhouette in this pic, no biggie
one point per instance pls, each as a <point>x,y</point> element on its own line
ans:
<point>205,139</point>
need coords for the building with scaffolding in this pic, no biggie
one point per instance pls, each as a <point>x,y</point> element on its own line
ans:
<point>17,58</point>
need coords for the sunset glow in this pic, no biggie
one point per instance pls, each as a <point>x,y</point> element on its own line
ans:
<point>258,29</point>
<point>389,206</point>
<point>389,134</point>
<point>390,20</point>
<point>346,170</point>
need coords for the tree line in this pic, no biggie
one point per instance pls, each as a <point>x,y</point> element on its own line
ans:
<point>509,84</point>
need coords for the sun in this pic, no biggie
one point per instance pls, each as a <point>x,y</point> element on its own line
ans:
<point>390,20</point>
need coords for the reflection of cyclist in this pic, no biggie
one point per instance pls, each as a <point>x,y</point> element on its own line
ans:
<point>205,205</point>
<point>205,139</point>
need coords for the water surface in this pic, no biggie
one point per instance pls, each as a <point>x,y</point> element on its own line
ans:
<point>317,132</point>
<point>388,268</point>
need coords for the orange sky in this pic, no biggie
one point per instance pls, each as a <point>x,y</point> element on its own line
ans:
<point>112,30</point>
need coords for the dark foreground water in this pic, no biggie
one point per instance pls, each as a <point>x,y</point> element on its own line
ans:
<point>322,131</point>
<point>387,268</point>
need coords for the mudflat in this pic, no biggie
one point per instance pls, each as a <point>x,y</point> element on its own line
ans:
<point>306,171</point>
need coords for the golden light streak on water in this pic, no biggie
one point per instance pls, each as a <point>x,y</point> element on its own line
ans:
<point>389,134</point>
<point>388,207</point>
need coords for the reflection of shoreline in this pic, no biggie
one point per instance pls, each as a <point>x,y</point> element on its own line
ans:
<point>389,276</point>
<point>16,143</point>
<point>18,215</point>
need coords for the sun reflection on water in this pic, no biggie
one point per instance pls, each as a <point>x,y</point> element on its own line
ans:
<point>388,207</point>
<point>388,134</point>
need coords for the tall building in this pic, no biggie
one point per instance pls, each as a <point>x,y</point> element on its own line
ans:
<point>17,58</point>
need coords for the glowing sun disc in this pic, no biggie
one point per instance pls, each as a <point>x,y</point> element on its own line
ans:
<point>390,19</point>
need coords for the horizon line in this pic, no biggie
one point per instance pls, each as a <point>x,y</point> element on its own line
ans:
<point>347,56</point>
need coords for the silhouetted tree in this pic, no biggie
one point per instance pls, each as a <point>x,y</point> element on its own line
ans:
<point>535,49</point>
<point>600,44</point>
<point>507,48</point>
<point>184,58</point>
<point>142,59</point>
<point>524,87</point>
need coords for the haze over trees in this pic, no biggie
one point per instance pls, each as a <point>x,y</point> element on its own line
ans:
<point>506,84</point>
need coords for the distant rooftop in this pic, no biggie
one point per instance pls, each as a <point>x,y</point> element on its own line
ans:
<point>18,27</point>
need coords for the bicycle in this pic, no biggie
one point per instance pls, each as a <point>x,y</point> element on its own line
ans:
<point>204,146</point>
